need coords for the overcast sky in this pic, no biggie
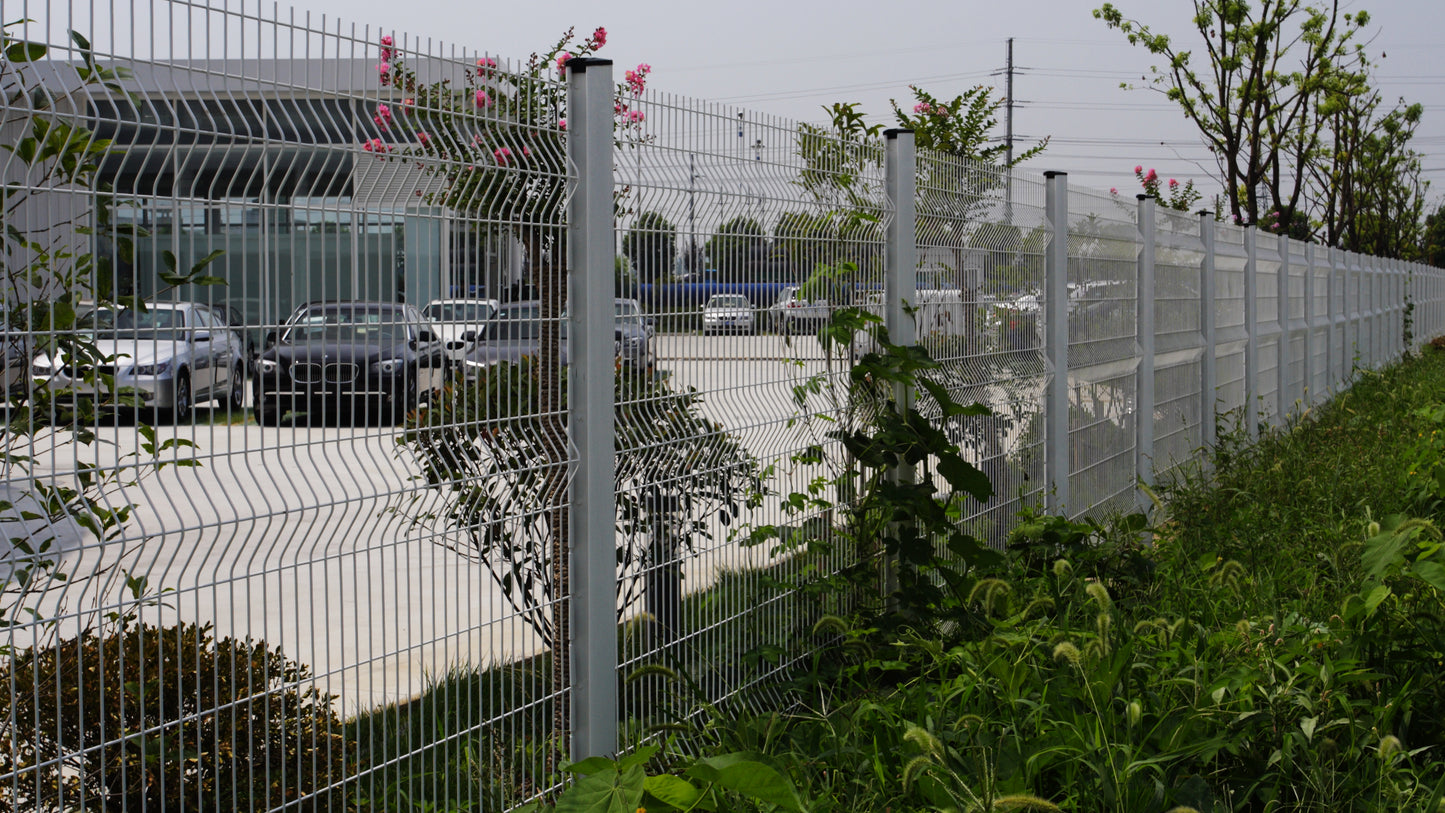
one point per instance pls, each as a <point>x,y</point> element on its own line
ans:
<point>791,58</point>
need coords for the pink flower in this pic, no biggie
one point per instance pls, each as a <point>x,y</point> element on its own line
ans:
<point>637,79</point>
<point>487,64</point>
<point>383,70</point>
<point>1173,183</point>
<point>383,116</point>
<point>377,146</point>
<point>635,116</point>
<point>422,138</point>
<point>503,155</point>
<point>483,100</point>
<point>1138,168</point>
<point>526,152</point>
<point>599,37</point>
<point>923,107</point>
<point>561,124</point>
<point>1113,190</point>
<point>408,105</point>
<point>1151,176</point>
<point>562,64</point>
<point>386,47</point>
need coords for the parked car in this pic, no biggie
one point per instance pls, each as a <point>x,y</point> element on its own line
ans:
<point>455,318</point>
<point>380,356</point>
<point>728,312</point>
<point>237,322</point>
<point>170,357</point>
<point>793,314</point>
<point>516,331</point>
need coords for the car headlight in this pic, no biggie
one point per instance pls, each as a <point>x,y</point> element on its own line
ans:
<point>158,368</point>
<point>388,366</point>
<point>267,367</point>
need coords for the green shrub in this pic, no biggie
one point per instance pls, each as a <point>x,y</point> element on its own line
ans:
<point>141,717</point>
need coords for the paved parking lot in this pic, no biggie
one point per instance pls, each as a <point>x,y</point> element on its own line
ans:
<point>308,537</point>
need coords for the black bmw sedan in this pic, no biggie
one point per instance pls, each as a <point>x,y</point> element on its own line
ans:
<point>372,358</point>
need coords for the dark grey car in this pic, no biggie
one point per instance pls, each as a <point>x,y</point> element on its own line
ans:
<point>516,331</point>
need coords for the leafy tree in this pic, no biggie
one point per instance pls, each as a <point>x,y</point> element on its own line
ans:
<point>1269,70</point>
<point>961,127</point>
<point>1432,244</point>
<point>495,141</point>
<point>1373,195</point>
<point>802,240</point>
<point>651,244</point>
<point>738,245</point>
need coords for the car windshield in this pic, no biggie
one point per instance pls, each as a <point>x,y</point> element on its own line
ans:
<point>727,302</point>
<point>153,323</point>
<point>518,324</point>
<point>347,326</point>
<point>458,311</point>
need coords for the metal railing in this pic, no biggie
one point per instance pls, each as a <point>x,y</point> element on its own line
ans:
<point>464,552</point>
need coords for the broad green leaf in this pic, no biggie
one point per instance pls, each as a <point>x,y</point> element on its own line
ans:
<point>22,51</point>
<point>605,792</point>
<point>673,790</point>
<point>741,774</point>
<point>1432,573</point>
<point>1377,595</point>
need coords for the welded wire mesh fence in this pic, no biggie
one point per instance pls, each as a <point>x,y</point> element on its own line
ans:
<point>386,422</point>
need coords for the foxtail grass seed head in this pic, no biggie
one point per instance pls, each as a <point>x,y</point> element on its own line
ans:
<point>1389,746</point>
<point>1099,593</point>
<point>1067,652</point>
<point>1136,712</point>
<point>1372,530</point>
<point>1062,568</point>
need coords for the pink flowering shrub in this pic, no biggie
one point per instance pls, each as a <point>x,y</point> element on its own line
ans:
<point>1173,195</point>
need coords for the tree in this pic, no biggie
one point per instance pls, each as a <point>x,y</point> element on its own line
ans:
<point>1271,70</point>
<point>961,127</point>
<point>1375,196</point>
<point>737,246</point>
<point>651,244</point>
<point>802,240</point>
<point>1432,244</point>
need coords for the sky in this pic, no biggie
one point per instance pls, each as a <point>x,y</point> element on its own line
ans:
<point>790,59</point>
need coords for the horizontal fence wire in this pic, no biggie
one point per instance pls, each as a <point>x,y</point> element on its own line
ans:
<point>291,451</point>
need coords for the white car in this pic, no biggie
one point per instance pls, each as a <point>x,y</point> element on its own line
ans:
<point>171,356</point>
<point>792,314</point>
<point>727,312</point>
<point>453,319</point>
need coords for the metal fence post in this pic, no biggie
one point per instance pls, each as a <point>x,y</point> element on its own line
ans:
<point>1056,342</point>
<point>1208,372</point>
<point>1251,329</point>
<point>900,283</point>
<point>1310,396</point>
<point>591,387</point>
<point>1144,380</point>
<point>1283,313</point>
<point>1332,295</point>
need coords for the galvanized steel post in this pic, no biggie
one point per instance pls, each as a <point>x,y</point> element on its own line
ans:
<point>1310,396</point>
<point>592,607</point>
<point>1251,329</point>
<point>1208,374</point>
<point>1282,313</point>
<point>1144,322</point>
<point>900,283</point>
<point>1056,342</point>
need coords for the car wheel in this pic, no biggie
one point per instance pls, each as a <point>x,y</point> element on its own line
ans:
<point>237,399</point>
<point>181,405</point>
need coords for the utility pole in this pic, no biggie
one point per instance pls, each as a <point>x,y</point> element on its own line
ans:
<point>1008,132</point>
